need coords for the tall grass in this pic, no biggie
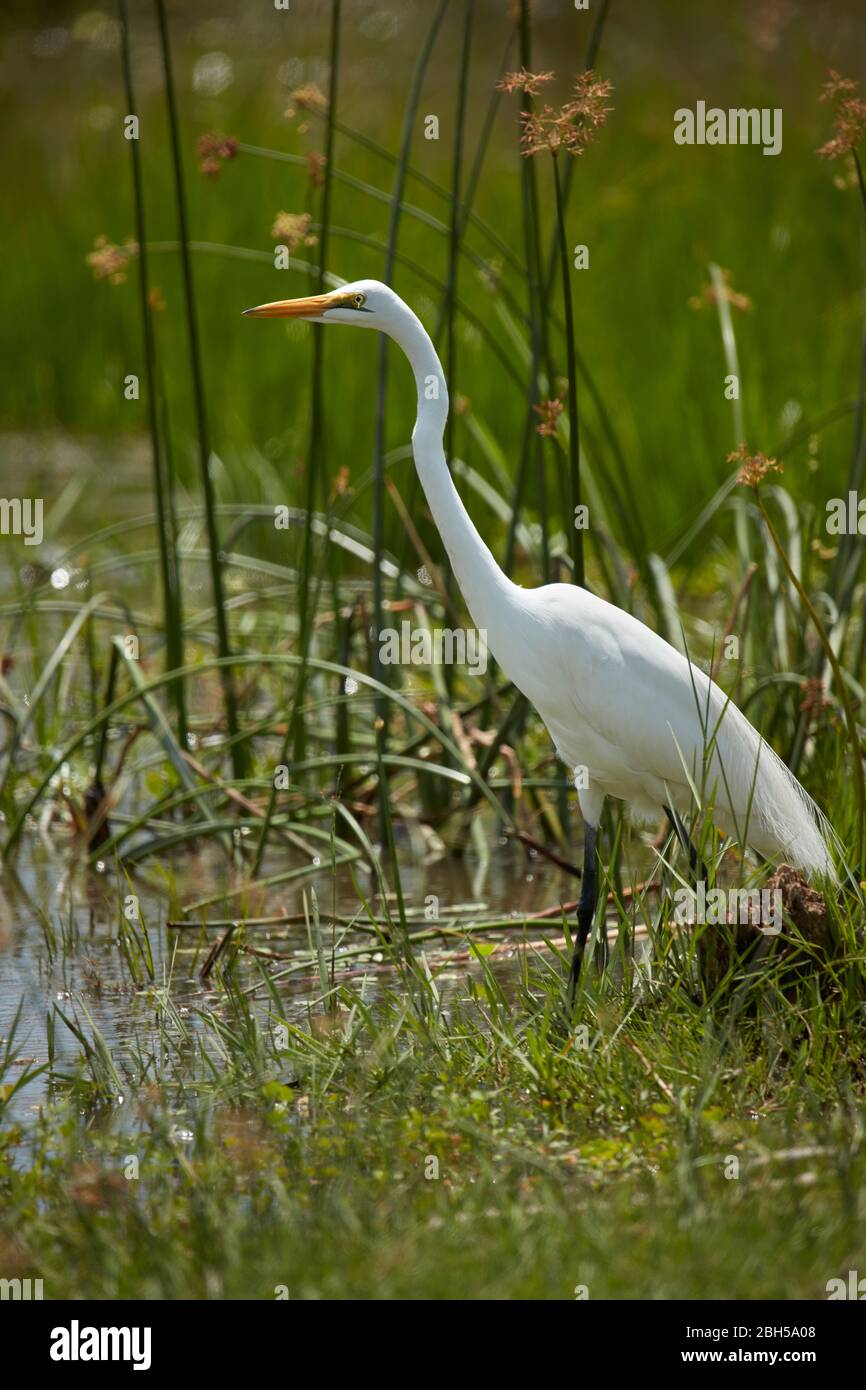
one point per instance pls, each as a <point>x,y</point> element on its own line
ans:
<point>576,531</point>
<point>454,235</point>
<point>541,362</point>
<point>316,472</point>
<point>396,200</point>
<point>238,754</point>
<point>171,582</point>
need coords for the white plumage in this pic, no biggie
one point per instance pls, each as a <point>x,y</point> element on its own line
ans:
<point>632,716</point>
<point>649,726</point>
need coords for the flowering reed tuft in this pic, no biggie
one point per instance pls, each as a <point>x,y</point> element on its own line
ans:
<point>849,115</point>
<point>306,98</point>
<point>523,81</point>
<point>753,467</point>
<point>550,411</point>
<point>212,149</point>
<point>572,125</point>
<point>293,228</point>
<point>709,294</point>
<point>109,261</point>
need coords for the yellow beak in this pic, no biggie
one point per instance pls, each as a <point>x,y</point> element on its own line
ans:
<point>311,308</point>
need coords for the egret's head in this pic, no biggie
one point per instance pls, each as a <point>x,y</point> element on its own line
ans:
<point>365,303</point>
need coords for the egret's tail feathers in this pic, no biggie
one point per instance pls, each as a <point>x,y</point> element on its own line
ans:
<point>797,828</point>
<point>774,813</point>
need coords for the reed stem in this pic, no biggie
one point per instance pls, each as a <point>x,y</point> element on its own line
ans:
<point>295,732</point>
<point>172,602</point>
<point>380,671</point>
<point>238,748</point>
<point>573,412</point>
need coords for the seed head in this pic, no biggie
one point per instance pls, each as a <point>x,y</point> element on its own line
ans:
<point>571,126</point>
<point>550,411</point>
<point>753,467</point>
<point>530,83</point>
<point>316,165</point>
<point>836,86</point>
<point>212,148</point>
<point>341,486</point>
<point>293,228</point>
<point>708,294</point>
<point>306,98</point>
<point>849,116</point>
<point>109,261</point>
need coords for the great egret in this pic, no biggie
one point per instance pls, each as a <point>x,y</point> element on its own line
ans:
<point>632,716</point>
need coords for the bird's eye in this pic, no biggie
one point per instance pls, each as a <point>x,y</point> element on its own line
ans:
<point>358,301</point>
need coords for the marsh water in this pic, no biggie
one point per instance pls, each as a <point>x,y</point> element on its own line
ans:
<point>60,939</point>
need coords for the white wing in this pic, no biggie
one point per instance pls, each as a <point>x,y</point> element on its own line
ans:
<point>649,721</point>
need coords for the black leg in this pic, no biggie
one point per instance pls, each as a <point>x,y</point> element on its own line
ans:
<point>698,868</point>
<point>587,904</point>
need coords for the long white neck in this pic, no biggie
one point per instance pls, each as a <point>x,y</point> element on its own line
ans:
<point>485,588</point>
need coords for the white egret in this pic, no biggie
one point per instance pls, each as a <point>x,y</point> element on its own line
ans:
<point>632,716</point>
